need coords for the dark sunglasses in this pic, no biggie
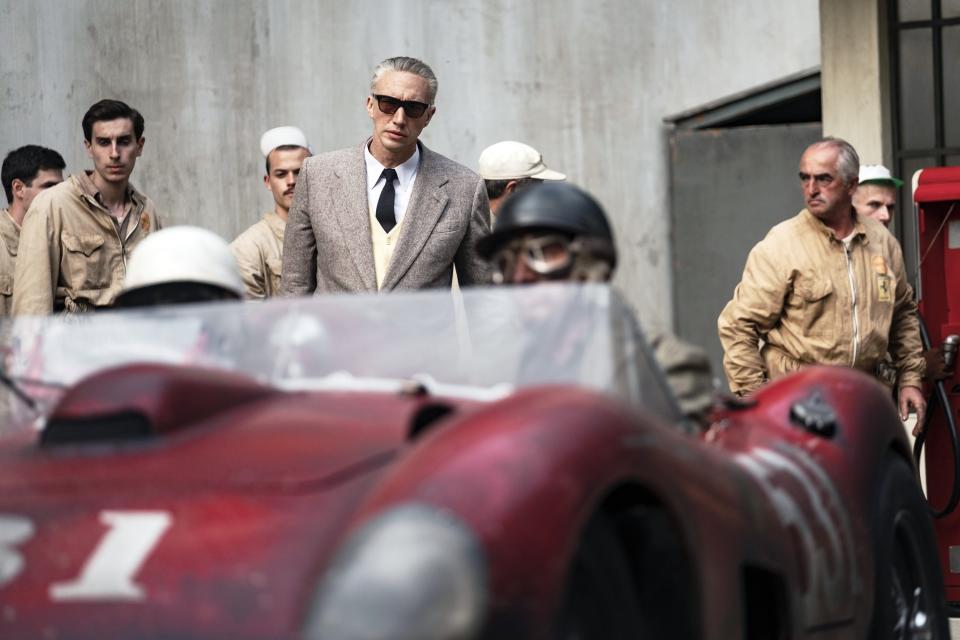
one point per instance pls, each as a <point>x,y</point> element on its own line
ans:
<point>389,105</point>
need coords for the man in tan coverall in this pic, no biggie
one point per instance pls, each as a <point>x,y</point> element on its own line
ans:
<point>259,249</point>
<point>26,172</point>
<point>876,198</point>
<point>824,287</point>
<point>77,235</point>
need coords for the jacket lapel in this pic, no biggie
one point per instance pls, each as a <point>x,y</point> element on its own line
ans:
<point>427,202</point>
<point>353,215</point>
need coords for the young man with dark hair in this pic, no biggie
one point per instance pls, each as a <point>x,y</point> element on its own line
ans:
<point>26,172</point>
<point>77,236</point>
<point>107,110</point>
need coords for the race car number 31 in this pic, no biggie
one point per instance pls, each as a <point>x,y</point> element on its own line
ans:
<point>109,571</point>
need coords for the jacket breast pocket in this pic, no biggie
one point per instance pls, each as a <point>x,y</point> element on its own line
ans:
<point>816,304</point>
<point>272,277</point>
<point>6,285</point>
<point>84,264</point>
<point>449,223</point>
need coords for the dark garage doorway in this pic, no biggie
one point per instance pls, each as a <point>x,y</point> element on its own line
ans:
<point>733,175</point>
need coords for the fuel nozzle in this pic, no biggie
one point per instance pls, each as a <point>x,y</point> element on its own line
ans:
<point>950,344</point>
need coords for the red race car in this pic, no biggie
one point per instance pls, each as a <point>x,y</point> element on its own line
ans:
<point>505,464</point>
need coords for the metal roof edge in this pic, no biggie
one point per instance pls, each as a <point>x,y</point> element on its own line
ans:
<point>747,101</point>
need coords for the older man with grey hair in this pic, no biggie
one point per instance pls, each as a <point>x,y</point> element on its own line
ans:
<point>824,287</point>
<point>388,213</point>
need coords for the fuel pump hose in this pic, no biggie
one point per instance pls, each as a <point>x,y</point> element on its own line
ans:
<point>941,393</point>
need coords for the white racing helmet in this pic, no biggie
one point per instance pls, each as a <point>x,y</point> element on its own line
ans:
<point>181,258</point>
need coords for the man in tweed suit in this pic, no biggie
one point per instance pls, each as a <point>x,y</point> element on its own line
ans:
<point>388,213</point>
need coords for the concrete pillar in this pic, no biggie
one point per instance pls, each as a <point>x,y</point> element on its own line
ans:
<point>855,76</point>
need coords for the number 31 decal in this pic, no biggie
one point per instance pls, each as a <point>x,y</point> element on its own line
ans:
<point>109,571</point>
<point>14,530</point>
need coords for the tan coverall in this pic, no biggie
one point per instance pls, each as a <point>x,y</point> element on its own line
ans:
<point>73,253</point>
<point>813,301</point>
<point>10,239</point>
<point>259,254</point>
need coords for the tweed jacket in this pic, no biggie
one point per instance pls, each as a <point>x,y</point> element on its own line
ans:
<point>328,248</point>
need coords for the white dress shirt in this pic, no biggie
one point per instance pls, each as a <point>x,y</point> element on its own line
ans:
<point>403,185</point>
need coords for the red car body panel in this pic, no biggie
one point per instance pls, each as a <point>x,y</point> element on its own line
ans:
<point>726,513</point>
<point>244,487</point>
<point>937,203</point>
<point>262,487</point>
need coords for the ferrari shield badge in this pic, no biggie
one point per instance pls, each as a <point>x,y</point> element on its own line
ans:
<point>884,293</point>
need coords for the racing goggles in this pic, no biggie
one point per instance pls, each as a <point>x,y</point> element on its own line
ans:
<point>550,256</point>
<point>389,106</point>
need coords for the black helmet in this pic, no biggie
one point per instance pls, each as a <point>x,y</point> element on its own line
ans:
<point>549,206</point>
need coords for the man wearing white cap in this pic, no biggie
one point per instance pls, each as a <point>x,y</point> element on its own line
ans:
<point>259,249</point>
<point>506,166</point>
<point>876,195</point>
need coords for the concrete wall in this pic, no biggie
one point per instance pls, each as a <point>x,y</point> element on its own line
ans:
<point>586,81</point>
<point>855,77</point>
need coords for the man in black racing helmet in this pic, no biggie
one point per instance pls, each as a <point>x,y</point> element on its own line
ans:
<point>550,231</point>
<point>558,232</point>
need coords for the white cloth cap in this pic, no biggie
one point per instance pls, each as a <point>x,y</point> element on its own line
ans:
<point>281,136</point>
<point>511,160</point>
<point>877,173</point>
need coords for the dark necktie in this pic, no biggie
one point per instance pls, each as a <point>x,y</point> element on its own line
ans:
<point>385,213</point>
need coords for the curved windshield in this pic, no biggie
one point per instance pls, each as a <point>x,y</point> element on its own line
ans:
<point>481,343</point>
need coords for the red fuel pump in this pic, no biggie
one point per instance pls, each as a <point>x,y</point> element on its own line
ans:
<point>936,195</point>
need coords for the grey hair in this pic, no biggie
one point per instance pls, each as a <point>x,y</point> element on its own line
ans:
<point>409,65</point>
<point>848,162</point>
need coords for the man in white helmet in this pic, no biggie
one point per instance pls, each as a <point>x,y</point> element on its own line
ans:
<point>259,249</point>
<point>178,265</point>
